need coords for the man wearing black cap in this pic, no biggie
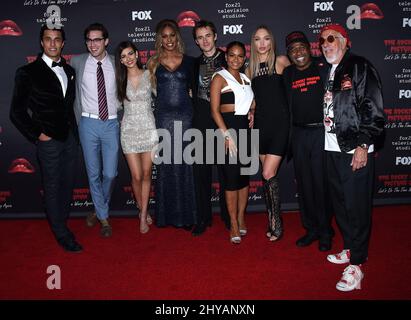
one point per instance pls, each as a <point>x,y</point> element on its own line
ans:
<point>353,120</point>
<point>305,90</point>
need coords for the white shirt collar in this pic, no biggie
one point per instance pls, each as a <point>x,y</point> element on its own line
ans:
<point>48,60</point>
<point>102,60</point>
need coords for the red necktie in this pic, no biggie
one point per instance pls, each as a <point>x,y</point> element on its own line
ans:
<point>102,98</point>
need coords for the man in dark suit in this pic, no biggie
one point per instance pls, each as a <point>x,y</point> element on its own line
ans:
<point>42,110</point>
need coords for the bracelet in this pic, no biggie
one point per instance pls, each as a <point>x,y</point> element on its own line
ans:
<point>227,135</point>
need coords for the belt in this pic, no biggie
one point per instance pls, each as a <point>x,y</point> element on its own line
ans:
<point>309,125</point>
<point>94,116</point>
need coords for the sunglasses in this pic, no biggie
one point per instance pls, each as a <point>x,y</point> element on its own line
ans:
<point>329,39</point>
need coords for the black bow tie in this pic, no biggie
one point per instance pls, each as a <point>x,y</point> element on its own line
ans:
<point>57,64</point>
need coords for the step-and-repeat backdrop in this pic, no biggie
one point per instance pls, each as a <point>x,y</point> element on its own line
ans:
<point>380,31</point>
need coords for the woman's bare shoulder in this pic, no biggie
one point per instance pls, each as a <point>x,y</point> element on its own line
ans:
<point>281,63</point>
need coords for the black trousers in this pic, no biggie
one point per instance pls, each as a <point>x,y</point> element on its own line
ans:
<point>309,158</point>
<point>203,173</point>
<point>203,183</point>
<point>351,194</point>
<point>58,163</point>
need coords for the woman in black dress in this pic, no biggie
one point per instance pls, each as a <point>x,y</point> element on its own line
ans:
<point>271,118</point>
<point>172,76</point>
<point>231,98</point>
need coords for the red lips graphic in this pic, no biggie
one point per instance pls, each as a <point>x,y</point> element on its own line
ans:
<point>21,165</point>
<point>371,11</point>
<point>65,56</point>
<point>187,19</point>
<point>10,28</point>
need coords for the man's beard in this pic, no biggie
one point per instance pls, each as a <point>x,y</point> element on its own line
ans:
<point>332,59</point>
<point>335,57</point>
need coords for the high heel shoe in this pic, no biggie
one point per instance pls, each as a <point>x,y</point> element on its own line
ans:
<point>149,219</point>
<point>271,237</point>
<point>144,229</point>
<point>242,228</point>
<point>272,198</point>
<point>235,240</point>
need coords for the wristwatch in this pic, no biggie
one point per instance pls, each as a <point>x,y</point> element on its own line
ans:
<point>364,146</point>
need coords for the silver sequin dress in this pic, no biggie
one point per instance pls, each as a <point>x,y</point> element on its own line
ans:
<point>138,129</point>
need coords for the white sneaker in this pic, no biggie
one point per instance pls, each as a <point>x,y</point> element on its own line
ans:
<point>351,279</point>
<point>340,258</point>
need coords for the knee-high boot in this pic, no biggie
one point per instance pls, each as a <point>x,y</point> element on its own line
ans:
<point>272,200</point>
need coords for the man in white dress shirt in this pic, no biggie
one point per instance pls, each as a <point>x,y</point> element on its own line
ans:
<point>42,110</point>
<point>96,108</point>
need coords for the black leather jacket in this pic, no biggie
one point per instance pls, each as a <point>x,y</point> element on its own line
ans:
<point>358,103</point>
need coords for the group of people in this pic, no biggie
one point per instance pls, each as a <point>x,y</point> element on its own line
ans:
<point>326,113</point>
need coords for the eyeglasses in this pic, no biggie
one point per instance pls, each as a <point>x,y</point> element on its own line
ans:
<point>93,41</point>
<point>330,39</point>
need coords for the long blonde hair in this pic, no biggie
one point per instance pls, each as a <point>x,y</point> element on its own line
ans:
<point>154,61</point>
<point>254,66</point>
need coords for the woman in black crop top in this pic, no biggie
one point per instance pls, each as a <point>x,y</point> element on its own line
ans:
<point>271,118</point>
<point>227,97</point>
<point>230,117</point>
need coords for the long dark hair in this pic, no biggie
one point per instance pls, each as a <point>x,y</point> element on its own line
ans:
<point>154,61</point>
<point>121,70</point>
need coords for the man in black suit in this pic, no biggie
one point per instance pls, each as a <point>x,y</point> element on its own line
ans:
<point>211,60</point>
<point>46,88</point>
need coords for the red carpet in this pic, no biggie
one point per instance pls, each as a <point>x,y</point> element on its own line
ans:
<point>169,263</point>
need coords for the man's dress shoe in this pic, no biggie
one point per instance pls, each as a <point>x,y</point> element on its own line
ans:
<point>70,245</point>
<point>91,219</point>
<point>324,245</point>
<point>106,231</point>
<point>306,240</point>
